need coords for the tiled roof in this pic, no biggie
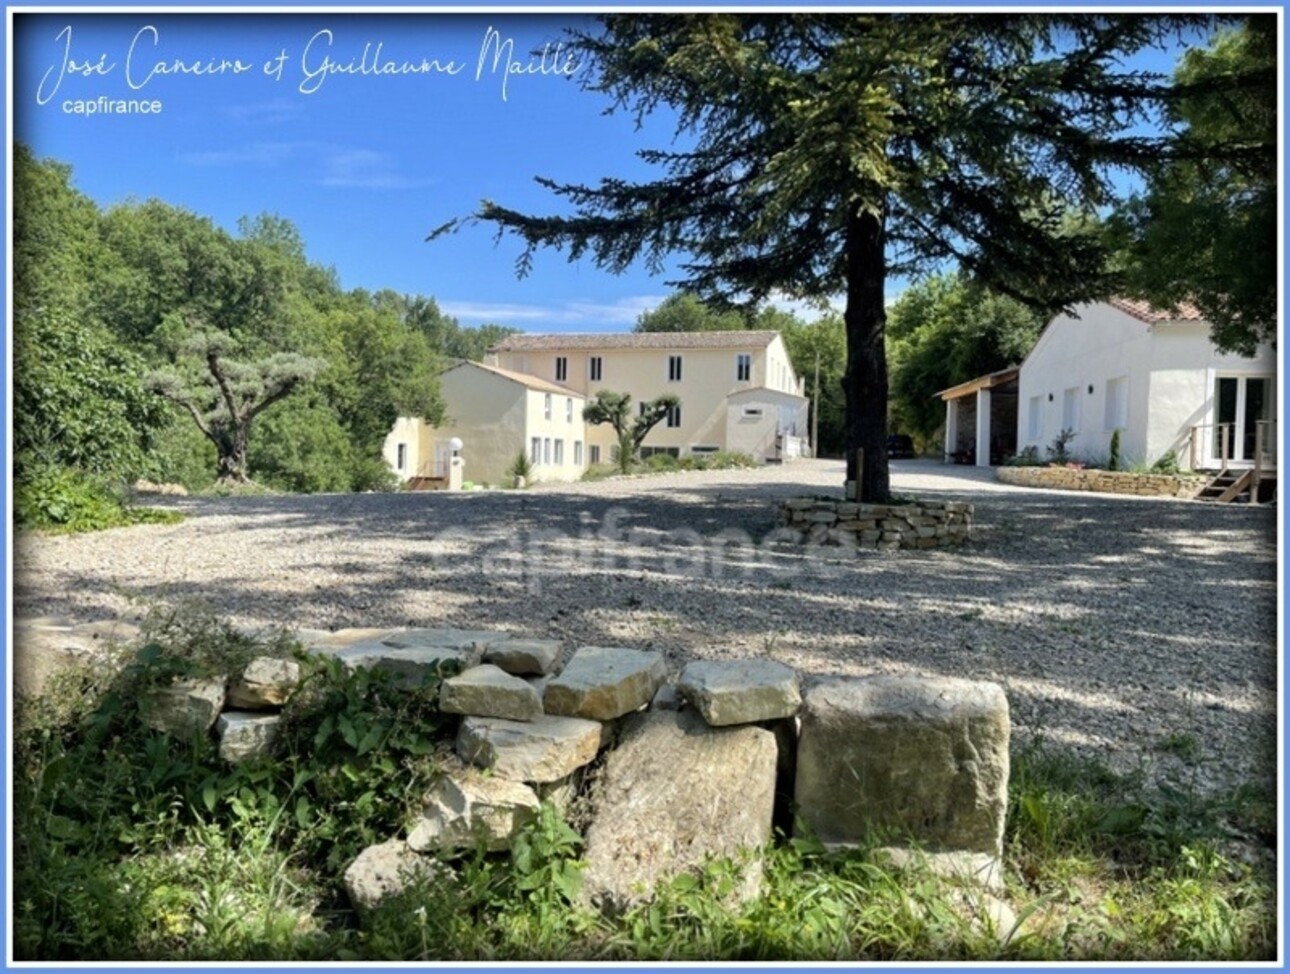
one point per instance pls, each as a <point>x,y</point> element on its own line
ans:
<point>531,381</point>
<point>1143,311</point>
<point>634,339</point>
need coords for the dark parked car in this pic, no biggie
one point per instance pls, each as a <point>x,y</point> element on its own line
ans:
<point>900,447</point>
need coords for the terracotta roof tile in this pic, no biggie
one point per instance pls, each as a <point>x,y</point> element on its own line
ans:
<point>1143,311</point>
<point>633,339</point>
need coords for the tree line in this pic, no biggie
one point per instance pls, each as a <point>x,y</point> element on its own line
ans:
<point>148,341</point>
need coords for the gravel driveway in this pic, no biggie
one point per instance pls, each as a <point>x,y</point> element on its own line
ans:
<point>1140,628</point>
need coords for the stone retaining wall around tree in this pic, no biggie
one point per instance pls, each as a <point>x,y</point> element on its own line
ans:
<point>1104,481</point>
<point>926,524</point>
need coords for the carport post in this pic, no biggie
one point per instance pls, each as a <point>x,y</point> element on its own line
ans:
<point>983,427</point>
<point>951,429</point>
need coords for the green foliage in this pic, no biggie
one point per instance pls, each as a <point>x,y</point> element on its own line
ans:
<point>1058,451</point>
<point>302,446</point>
<point>78,399</point>
<point>521,466</point>
<point>1168,463</point>
<point>684,311</point>
<point>824,343</point>
<point>946,330</point>
<point>1205,229</point>
<point>1114,460</point>
<point>614,408</point>
<point>64,499</point>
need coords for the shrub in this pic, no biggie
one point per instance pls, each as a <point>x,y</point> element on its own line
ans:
<point>68,500</point>
<point>1166,464</point>
<point>661,462</point>
<point>1029,457</point>
<point>1113,461</point>
<point>1057,451</point>
<point>521,466</point>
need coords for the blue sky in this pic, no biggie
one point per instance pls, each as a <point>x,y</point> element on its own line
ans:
<point>365,165</point>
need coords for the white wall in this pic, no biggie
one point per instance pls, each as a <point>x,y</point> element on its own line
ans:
<point>1169,368</point>
<point>1073,353</point>
<point>1184,365</point>
<point>558,428</point>
<point>406,432</point>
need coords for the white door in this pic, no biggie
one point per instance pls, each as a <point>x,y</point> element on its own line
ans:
<point>442,458</point>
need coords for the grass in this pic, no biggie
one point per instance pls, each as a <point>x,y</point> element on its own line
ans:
<point>133,846</point>
<point>664,463</point>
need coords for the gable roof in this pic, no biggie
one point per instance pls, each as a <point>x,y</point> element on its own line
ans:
<point>528,381</point>
<point>636,340</point>
<point>1143,311</point>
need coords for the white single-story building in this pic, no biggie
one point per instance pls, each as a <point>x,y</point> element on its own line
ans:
<point>1154,376</point>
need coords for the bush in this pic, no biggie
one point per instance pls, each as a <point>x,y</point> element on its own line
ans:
<point>1113,461</point>
<point>1166,464</point>
<point>661,463</point>
<point>1029,457</point>
<point>67,500</point>
<point>521,466</point>
<point>1057,451</point>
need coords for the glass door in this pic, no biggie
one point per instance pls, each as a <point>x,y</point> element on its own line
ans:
<point>1241,403</point>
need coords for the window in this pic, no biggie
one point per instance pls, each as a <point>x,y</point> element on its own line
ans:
<point>403,457</point>
<point>561,368</point>
<point>593,453</point>
<point>743,367</point>
<point>642,408</point>
<point>752,410</point>
<point>546,406</point>
<point>577,453</point>
<point>546,450</point>
<point>535,450</point>
<point>568,410</point>
<point>655,451</point>
<point>559,453</point>
<point>1117,403</point>
<point>674,417</point>
<point>597,367</point>
<point>1070,409</point>
<point>674,368</point>
<point>1035,425</point>
<point>705,449</point>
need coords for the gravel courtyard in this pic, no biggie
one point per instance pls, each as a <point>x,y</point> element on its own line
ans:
<point>1142,629</point>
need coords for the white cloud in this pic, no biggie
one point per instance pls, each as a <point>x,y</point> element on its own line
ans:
<point>256,154</point>
<point>365,169</point>
<point>578,314</point>
<point>263,113</point>
<point>337,166</point>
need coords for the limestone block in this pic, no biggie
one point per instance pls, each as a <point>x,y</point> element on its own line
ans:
<point>542,750</point>
<point>486,691</point>
<point>386,870</point>
<point>476,640</point>
<point>741,691</point>
<point>673,793</point>
<point>923,758</point>
<point>464,810</point>
<point>604,682</point>
<point>266,682</point>
<point>409,666</point>
<point>524,657</point>
<point>244,735</point>
<point>184,708</point>
<point>668,697</point>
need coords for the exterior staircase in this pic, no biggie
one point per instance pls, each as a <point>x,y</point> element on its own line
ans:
<point>1249,486</point>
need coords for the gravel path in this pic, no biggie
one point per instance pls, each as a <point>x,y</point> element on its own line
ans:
<point>1142,629</point>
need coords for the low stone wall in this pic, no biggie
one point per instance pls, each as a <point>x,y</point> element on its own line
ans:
<point>926,524</point>
<point>1104,481</point>
<point>689,764</point>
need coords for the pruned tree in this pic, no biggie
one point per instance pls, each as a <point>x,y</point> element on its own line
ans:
<point>223,395</point>
<point>614,408</point>
<point>821,153</point>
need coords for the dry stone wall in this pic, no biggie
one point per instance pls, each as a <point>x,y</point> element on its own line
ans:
<point>886,527</point>
<point>665,770</point>
<point>1103,481</point>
